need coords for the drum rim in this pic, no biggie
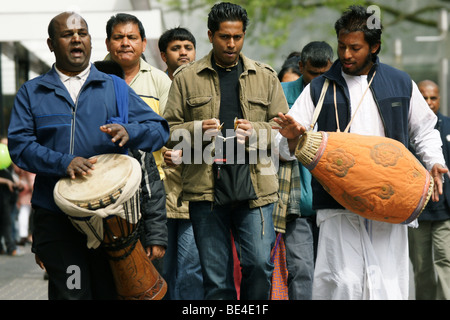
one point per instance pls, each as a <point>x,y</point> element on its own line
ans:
<point>102,199</point>
<point>427,192</point>
<point>310,148</point>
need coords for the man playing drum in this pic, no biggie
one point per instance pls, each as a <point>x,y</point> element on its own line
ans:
<point>360,258</point>
<point>58,122</point>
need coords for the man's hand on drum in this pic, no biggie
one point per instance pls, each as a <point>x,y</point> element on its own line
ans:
<point>155,252</point>
<point>437,173</point>
<point>80,166</point>
<point>117,132</point>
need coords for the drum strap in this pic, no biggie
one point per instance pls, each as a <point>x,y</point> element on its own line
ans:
<point>359,104</point>
<point>319,103</point>
<point>121,91</point>
<point>322,97</point>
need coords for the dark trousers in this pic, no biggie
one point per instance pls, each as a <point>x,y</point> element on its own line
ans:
<point>74,270</point>
<point>6,228</point>
<point>7,204</point>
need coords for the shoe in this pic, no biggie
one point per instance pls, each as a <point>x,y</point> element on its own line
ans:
<point>23,241</point>
<point>16,253</point>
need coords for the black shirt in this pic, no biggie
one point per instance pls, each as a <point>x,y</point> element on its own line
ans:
<point>230,107</point>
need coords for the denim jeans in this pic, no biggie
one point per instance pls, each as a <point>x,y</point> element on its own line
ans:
<point>182,270</point>
<point>254,236</point>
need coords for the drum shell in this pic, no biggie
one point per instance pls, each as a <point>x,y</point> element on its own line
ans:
<point>112,222</point>
<point>134,275</point>
<point>375,177</point>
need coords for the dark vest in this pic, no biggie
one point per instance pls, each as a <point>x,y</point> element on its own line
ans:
<point>391,89</point>
<point>438,211</point>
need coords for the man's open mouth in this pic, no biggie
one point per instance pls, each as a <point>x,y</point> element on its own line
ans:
<point>77,52</point>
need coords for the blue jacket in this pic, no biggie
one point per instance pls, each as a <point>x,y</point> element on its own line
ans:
<point>47,129</point>
<point>391,89</point>
<point>441,210</point>
<point>292,90</point>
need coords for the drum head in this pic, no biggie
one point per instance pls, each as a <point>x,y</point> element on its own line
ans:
<point>106,180</point>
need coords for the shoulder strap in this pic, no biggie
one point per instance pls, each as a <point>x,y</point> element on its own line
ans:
<point>322,97</point>
<point>319,103</point>
<point>121,91</point>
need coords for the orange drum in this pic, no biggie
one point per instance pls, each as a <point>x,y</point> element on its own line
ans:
<point>105,206</point>
<point>374,177</point>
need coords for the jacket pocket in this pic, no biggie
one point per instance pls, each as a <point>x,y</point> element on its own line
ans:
<point>197,179</point>
<point>257,109</point>
<point>200,107</point>
<point>264,178</point>
<point>49,125</point>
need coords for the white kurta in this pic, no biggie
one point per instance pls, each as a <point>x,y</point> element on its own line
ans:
<point>360,258</point>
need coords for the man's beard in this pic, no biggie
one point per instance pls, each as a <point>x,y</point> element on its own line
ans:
<point>357,72</point>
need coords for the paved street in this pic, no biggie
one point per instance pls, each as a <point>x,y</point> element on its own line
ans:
<point>21,278</point>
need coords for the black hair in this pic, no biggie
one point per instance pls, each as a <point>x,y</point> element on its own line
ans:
<point>177,33</point>
<point>290,65</point>
<point>123,18</point>
<point>355,18</point>
<point>289,69</point>
<point>318,53</point>
<point>110,67</point>
<point>226,11</point>
<point>294,54</point>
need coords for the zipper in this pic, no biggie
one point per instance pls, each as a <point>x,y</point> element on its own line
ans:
<point>386,133</point>
<point>72,131</point>
<point>73,123</point>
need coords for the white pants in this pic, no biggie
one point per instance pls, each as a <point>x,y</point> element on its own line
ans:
<point>360,259</point>
<point>23,219</point>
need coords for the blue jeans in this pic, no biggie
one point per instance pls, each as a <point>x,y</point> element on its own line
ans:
<point>182,270</point>
<point>254,236</point>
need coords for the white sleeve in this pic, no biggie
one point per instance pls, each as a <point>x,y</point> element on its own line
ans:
<point>422,133</point>
<point>302,111</point>
<point>303,108</point>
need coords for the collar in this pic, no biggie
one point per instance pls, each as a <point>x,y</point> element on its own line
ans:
<point>82,75</point>
<point>205,63</point>
<point>300,83</point>
<point>143,65</point>
<point>51,79</point>
<point>335,72</point>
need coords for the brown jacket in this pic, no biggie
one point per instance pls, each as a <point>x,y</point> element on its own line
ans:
<point>195,96</point>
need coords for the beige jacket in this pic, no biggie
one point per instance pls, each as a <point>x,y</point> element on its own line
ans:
<point>176,208</point>
<point>195,96</point>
